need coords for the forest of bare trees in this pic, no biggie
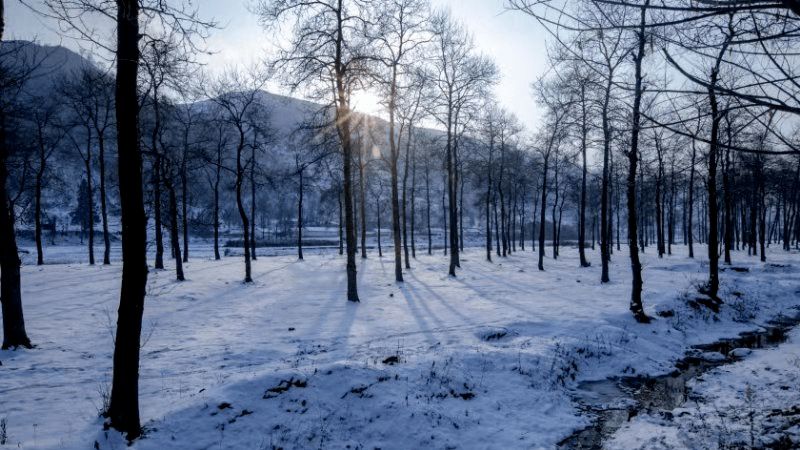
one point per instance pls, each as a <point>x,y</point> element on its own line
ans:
<point>664,125</point>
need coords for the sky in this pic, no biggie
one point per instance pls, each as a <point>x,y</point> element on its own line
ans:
<point>515,41</point>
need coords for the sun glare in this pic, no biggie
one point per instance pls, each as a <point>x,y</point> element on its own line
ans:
<point>367,102</point>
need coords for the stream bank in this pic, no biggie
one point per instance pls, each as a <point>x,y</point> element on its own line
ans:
<point>670,409</point>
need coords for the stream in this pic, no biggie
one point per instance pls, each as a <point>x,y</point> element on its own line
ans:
<point>613,402</point>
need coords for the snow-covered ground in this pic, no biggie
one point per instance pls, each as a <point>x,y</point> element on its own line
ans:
<point>487,360</point>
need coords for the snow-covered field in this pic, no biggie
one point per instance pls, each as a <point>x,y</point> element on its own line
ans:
<point>487,360</point>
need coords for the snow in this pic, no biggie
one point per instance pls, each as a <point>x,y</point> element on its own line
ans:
<point>490,359</point>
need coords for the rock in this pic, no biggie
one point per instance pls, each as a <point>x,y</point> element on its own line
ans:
<point>740,352</point>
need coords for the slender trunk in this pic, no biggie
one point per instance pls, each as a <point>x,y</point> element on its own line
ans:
<point>405,203</point>
<point>174,234</point>
<point>378,214</point>
<point>343,126</point>
<point>660,201</point>
<point>543,212</point>
<point>513,222</point>
<point>763,218</point>
<point>300,216</point>
<point>363,205</point>
<point>726,190</point>
<point>123,411</point>
<point>38,195</point>
<point>159,264</point>
<point>690,206</point>
<point>504,238</point>
<point>605,249</point>
<point>428,207</point>
<point>185,200</point>
<point>553,211</point>
<point>413,206</point>
<point>90,210</point>
<point>636,266</point>
<point>240,205</point>
<point>584,174</point>
<point>253,204</point>
<point>497,233</point>
<point>216,204</point>
<point>394,157</point>
<point>522,221</point>
<point>460,215</point>
<point>101,151</point>
<point>444,220</point>
<point>713,256</point>
<point>488,214</point>
<point>341,226</point>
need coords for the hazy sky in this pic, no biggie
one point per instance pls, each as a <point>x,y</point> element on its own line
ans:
<point>515,41</point>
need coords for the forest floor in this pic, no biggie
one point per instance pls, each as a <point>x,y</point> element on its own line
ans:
<point>490,359</point>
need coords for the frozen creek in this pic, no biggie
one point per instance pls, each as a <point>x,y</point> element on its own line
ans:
<point>671,411</point>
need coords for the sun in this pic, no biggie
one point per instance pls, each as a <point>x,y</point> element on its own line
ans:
<point>367,102</point>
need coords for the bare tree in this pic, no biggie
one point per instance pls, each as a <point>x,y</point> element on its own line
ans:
<point>398,35</point>
<point>49,132</point>
<point>328,53</point>
<point>125,15</point>
<point>12,79</point>
<point>90,97</point>
<point>460,78</point>
<point>237,94</point>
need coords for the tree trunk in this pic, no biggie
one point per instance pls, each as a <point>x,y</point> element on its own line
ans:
<point>253,204</point>
<point>123,411</point>
<point>636,266</point>
<point>363,205</point>
<point>300,216</point>
<point>413,206</point>
<point>690,206</point>
<point>341,227</point>
<point>343,125</point>
<point>405,204</point>
<point>584,174</point>
<point>428,207</point>
<point>727,192</point>
<point>553,211</point>
<point>90,211</point>
<point>159,264</point>
<point>14,334</point>
<point>38,195</point>
<point>605,250</point>
<point>101,152</point>
<point>502,232</point>
<point>216,205</point>
<point>378,214</point>
<point>185,201</point>
<point>488,214</point>
<point>173,224</point>
<point>543,212</point>
<point>240,205</point>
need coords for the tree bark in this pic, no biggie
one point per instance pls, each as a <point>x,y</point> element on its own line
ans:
<point>123,411</point>
<point>543,212</point>
<point>218,175</point>
<point>173,225</point>
<point>101,159</point>
<point>637,282</point>
<point>300,217</point>
<point>14,334</point>
<point>584,174</point>
<point>159,264</point>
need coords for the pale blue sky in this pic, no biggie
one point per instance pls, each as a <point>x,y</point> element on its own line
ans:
<point>515,41</point>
